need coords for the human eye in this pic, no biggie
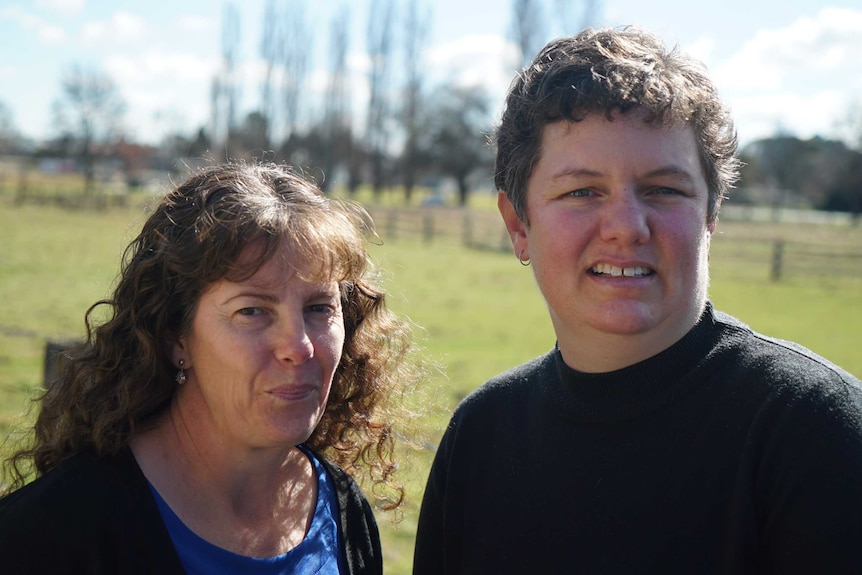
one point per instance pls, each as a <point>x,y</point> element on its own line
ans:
<point>580,193</point>
<point>667,192</point>
<point>250,311</point>
<point>320,308</point>
<point>326,308</point>
<point>327,304</point>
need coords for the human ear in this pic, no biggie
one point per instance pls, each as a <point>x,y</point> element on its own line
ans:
<point>516,228</point>
<point>179,352</point>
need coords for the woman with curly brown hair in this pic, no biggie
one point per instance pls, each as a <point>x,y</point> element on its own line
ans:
<point>207,423</point>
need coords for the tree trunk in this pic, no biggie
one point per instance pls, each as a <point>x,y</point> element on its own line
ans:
<point>463,191</point>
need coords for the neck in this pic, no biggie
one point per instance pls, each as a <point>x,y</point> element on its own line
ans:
<point>256,502</point>
<point>594,351</point>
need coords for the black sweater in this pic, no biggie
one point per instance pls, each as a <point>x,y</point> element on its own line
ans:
<point>97,516</point>
<point>729,453</point>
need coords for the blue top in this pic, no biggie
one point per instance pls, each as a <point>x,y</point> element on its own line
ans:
<point>317,554</point>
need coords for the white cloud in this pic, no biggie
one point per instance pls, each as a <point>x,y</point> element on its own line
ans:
<point>317,83</point>
<point>829,42</point>
<point>160,68</point>
<point>123,27</point>
<point>358,63</point>
<point>825,41</point>
<point>66,7</point>
<point>703,48</point>
<point>197,24</point>
<point>163,87</point>
<point>798,78</point>
<point>805,116</point>
<point>487,60</point>
<point>45,32</point>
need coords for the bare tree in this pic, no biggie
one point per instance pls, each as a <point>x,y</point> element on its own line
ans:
<point>295,40</point>
<point>845,190</point>
<point>89,113</point>
<point>225,87</point>
<point>8,134</point>
<point>458,136</point>
<point>850,126</point>
<point>269,53</point>
<point>284,49</point>
<point>528,28</point>
<point>11,141</point>
<point>336,117</point>
<point>380,18</point>
<point>415,35</point>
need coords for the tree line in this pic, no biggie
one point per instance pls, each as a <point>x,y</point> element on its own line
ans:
<point>410,132</point>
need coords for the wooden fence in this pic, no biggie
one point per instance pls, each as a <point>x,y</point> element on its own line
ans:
<point>775,249</point>
<point>781,258</point>
<point>763,249</point>
<point>472,228</point>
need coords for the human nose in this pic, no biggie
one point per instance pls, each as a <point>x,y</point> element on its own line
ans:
<point>624,219</point>
<point>292,342</point>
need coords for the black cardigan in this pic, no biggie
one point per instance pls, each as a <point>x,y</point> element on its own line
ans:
<point>94,515</point>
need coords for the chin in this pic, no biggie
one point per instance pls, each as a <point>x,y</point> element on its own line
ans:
<point>627,318</point>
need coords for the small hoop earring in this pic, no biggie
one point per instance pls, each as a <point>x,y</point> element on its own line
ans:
<point>521,260</point>
<point>181,374</point>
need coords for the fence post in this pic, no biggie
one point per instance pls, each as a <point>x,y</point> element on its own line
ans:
<point>468,230</point>
<point>392,224</point>
<point>777,260</point>
<point>54,350</point>
<point>428,227</point>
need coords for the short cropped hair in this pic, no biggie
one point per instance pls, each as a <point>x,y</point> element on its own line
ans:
<point>605,72</point>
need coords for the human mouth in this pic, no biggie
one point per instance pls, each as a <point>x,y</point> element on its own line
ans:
<point>293,392</point>
<point>615,271</point>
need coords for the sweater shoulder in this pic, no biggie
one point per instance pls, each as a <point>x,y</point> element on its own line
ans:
<point>509,387</point>
<point>777,360</point>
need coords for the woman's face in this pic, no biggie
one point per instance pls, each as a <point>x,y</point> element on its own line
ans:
<point>260,355</point>
<point>617,236</point>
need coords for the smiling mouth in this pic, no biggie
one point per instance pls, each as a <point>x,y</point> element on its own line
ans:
<point>614,271</point>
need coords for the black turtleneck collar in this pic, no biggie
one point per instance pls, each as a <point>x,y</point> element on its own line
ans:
<point>633,391</point>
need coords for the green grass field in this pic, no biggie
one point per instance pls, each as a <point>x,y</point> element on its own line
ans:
<point>476,314</point>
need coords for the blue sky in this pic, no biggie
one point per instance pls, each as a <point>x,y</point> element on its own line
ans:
<point>790,65</point>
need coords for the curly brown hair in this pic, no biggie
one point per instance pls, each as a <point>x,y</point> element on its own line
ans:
<point>122,378</point>
<point>605,72</point>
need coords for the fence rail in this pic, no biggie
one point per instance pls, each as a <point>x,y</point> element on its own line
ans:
<point>472,228</point>
<point>783,258</point>
<point>778,250</point>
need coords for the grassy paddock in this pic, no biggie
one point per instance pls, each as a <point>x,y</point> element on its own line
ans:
<point>476,314</point>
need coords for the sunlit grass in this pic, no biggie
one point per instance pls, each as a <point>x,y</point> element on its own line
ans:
<point>477,313</point>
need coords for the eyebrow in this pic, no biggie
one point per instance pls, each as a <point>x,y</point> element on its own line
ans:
<point>574,172</point>
<point>269,298</point>
<point>674,171</point>
<point>670,170</point>
<point>256,293</point>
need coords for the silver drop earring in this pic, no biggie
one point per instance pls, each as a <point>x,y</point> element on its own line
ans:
<point>181,374</point>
